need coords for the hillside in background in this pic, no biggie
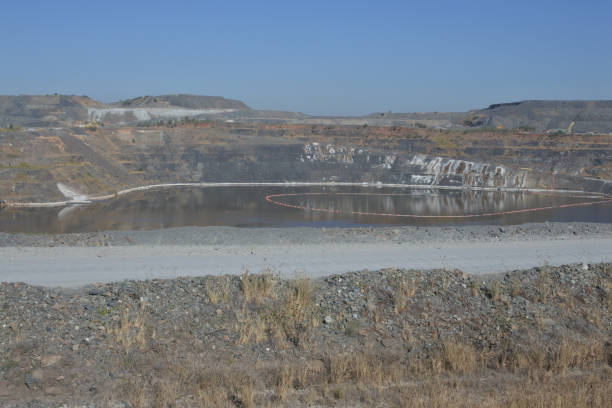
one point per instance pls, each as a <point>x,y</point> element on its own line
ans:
<point>70,110</point>
<point>44,110</point>
<point>576,116</point>
<point>183,101</point>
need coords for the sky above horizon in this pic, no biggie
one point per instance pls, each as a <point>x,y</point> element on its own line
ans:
<point>318,57</point>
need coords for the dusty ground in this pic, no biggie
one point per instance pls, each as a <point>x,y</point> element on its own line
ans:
<point>76,259</point>
<point>537,337</point>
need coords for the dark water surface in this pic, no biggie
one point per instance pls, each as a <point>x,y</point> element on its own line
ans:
<point>247,207</point>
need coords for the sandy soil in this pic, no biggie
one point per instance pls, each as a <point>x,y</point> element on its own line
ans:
<point>75,260</point>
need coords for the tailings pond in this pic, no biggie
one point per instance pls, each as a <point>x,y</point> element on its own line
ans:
<point>309,207</point>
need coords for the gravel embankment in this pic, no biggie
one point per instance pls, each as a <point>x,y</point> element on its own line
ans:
<point>87,345</point>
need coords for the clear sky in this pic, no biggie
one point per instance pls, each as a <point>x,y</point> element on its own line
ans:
<point>321,57</point>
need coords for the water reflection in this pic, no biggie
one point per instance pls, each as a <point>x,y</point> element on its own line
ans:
<point>247,207</point>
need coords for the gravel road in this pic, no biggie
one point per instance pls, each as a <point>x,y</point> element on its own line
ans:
<point>78,259</point>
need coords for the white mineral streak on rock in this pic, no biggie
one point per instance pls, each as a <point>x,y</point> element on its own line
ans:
<point>418,160</point>
<point>316,152</point>
<point>434,166</point>
<point>389,161</point>
<point>433,170</point>
<point>421,179</point>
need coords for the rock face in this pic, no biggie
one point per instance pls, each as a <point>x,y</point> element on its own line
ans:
<point>326,162</point>
<point>95,162</point>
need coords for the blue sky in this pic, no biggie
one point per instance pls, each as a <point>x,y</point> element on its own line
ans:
<point>320,57</point>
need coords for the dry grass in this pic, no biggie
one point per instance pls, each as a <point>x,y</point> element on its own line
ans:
<point>474,287</point>
<point>132,331</point>
<point>544,285</point>
<point>135,392</point>
<point>607,286</point>
<point>250,327</point>
<point>257,287</point>
<point>283,321</point>
<point>563,392</point>
<point>403,291</point>
<point>495,291</point>
<point>243,392</point>
<point>297,315</point>
<point>363,369</point>
<point>459,357</point>
<point>284,383</point>
<point>516,289</point>
<point>217,289</point>
<point>568,353</point>
<point>165,393</point>
<point>577,352</point>
<point>458,375</point>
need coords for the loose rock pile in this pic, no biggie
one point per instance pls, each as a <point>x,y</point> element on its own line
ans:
<point>83,346</point>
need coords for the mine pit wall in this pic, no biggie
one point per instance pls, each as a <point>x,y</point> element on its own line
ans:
<point>423,170</point>
<point>327,163</point>
<point>33,162</point>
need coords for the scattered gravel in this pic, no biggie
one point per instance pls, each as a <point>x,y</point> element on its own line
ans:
<point>299,236</point>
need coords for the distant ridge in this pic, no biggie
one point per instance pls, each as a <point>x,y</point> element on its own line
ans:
<point>560,115</point>
<point>44,110</point>
<point>67,110</point>
<point>56,109</point>
<point>183,101</point>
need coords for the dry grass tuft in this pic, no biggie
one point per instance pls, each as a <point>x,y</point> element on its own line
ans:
<point>516,287</point>
<point>217,289</point>
<point>403,291</point>
<point>286,321</point>
<point>243,393</point>
<point>250,327</point>
<point>284,383</point>
<point>576,353</point>
<point>134,391</point>
<point>133,330</point>
<point>297,314</point>
<point>165,394</point>
<point>459,357</point>
<point>363,369</point>
<point>607,287</point>
<point>257,287</point>
<point>474,287</point>
<point>212,395</point>
<point>495,291</point>
<point>544,285</point>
